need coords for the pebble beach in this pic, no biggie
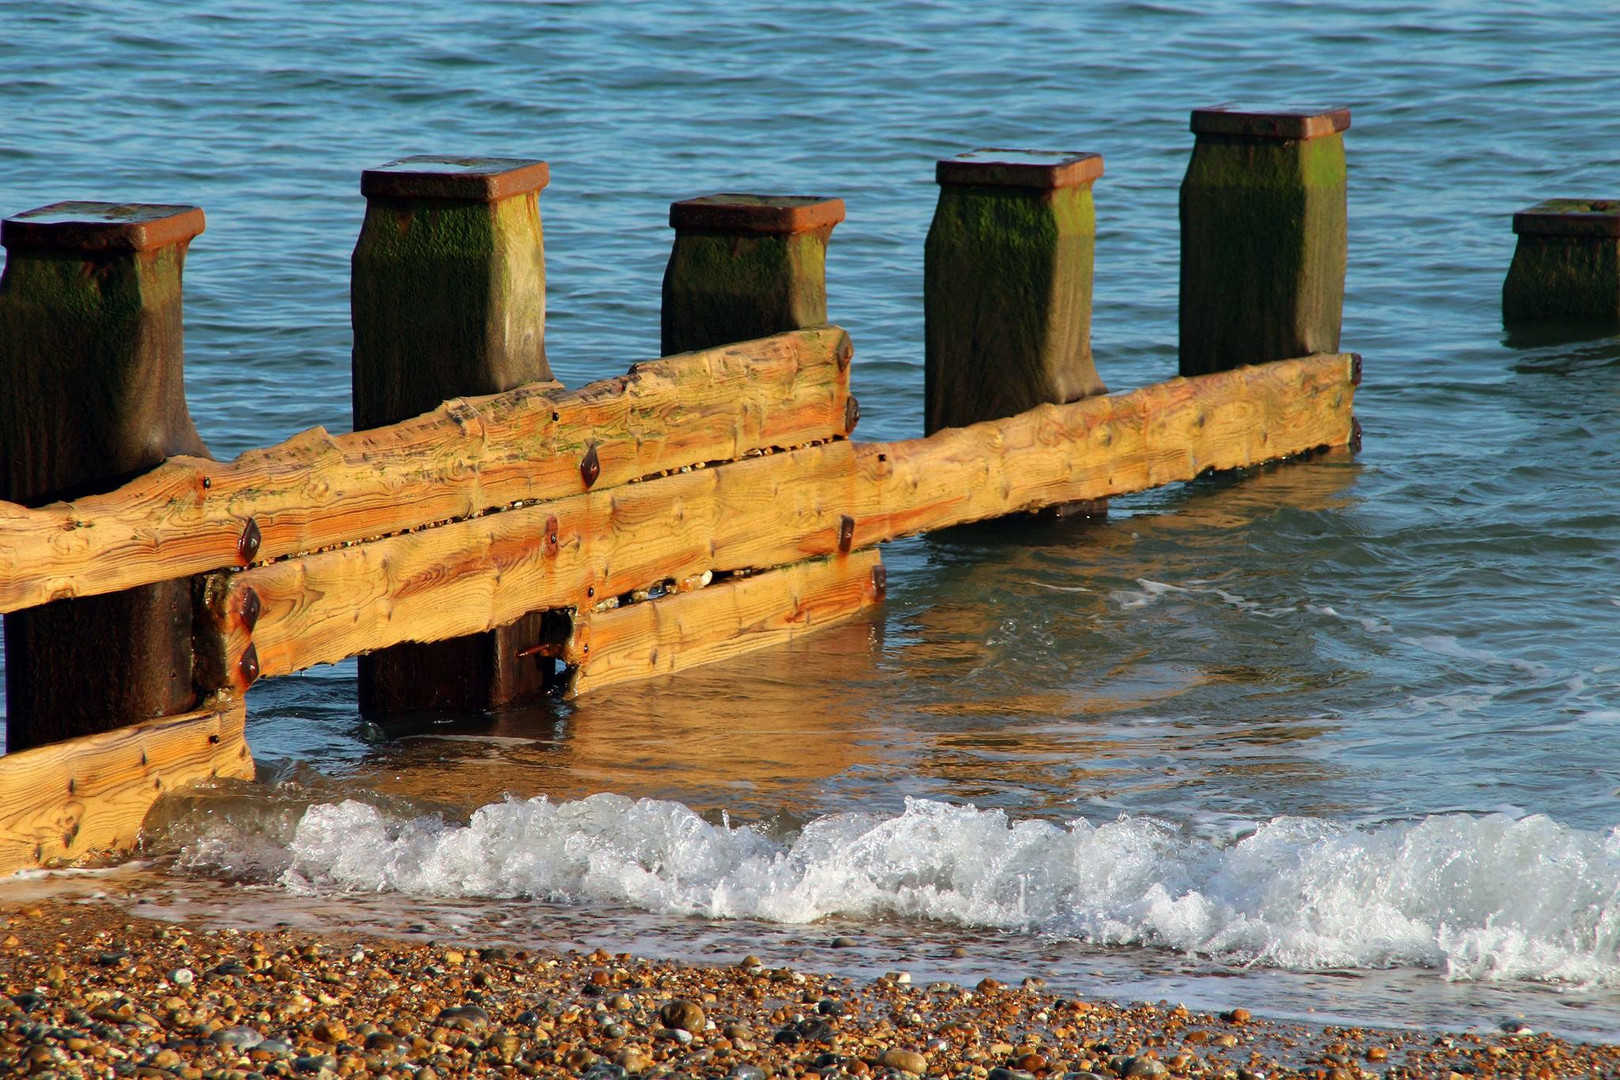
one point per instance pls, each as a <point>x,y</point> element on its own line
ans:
<point>90,991</point>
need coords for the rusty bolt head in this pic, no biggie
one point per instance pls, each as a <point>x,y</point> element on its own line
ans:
<point>846,532</point>
<point>247,545</point>
<point>249,665</point>
<point>846,353</point>
<point>852,414</point>
<point>250,608</point>
<point>1355,369</point>
<point>550,537</point>
<point>1355,435</point>
<point>590,468</point>
<point>880,581</point>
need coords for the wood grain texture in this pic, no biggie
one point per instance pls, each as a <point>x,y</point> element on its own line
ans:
<point>685,630</point>
<point>74,800</point>
<point>316,491</point>
<point>770,511</point>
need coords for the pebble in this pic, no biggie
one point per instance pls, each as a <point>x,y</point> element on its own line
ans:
<point>746,1072</point>
<point>182,976</point>
<point>908,1061</point>
<point>241,1038</point>
<point>844,943</point>
<point>683,1015</point>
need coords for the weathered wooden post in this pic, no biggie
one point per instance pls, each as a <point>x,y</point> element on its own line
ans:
<point>448,299</point>
<point>746,266</point>
<point>1567,263</point>
<point>1007,285</point>
<point>1263,251</point>
<point>91,393</point>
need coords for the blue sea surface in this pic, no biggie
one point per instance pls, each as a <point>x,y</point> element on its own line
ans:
<point>1343,735</point>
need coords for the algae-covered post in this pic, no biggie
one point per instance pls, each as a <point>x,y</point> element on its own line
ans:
<point>1567,263</point>
<point>1263,251</point>
<point>1007,285</point>
<point>744,267</point>
<point>448,299</point>
<point>91,393</point>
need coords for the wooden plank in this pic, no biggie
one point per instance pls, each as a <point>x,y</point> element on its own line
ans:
<point>317,491</point>
<point>769,511</point>
<point>673,633</point>
<point>79,799</point>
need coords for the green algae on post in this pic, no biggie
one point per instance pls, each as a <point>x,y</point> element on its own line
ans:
<point>1007,285</point>
<point>1263,236</point>
<point>1567,263</point>
<point>92,392</point>
<point>448,299</point>
<point>744,267</point>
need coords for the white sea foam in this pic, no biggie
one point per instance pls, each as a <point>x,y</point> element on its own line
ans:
<point>1485,897</point>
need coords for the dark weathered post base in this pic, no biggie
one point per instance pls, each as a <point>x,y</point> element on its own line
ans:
<point>92,392</point>
<point>745,266</point>
<point>1263,252</point>
<point>1567,263</point>
<point>448,300</point>
<point>1007,285</point>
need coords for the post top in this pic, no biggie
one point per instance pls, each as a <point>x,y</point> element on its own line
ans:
<point>1262,122</point>
<point>1570,217</point>
<point>1043,169</point>
<point>737,213</point>
<point>102,226</point>
<point>441,176</point>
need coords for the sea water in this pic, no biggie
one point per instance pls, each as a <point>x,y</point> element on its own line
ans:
<point>1337,738</point>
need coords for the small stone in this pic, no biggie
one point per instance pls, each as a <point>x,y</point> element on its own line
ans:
<point>1236,1016</point>
<point>329,1031</point>
<point>746,1072</point>
<point>679,1035</point>
<point>1000,1073</point>
<point>1377,1053</point>
<point>682,1015</point>
<point>239,1038</point>
<point>182,976</point>
<point>736,1031</point>
<point>749,962</point>
<point>907,1061</point>
<point>1144,1068</point>
<point>901,978</point>
<point>987,985</point>
<point>454,958</point>
<point>464,1017</point>
<point>844,942</point>
<point>632,1060</point>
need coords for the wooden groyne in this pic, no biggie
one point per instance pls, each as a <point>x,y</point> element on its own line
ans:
<point>523,538</point>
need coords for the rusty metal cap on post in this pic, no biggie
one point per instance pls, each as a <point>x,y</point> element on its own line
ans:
<point>1296,122</point>
<point>102,226</point>
<point>440,176</point>
<point>1570,217</point>
<point>1043,169</point>
<point>737,213</point>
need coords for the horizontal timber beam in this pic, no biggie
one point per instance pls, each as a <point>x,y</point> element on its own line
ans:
<point>318,491</point>
<point>485,572</point>
<point>673,633</point>
<point>73,800</point>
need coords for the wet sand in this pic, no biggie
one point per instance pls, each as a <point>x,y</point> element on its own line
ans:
<point>92,992</point>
